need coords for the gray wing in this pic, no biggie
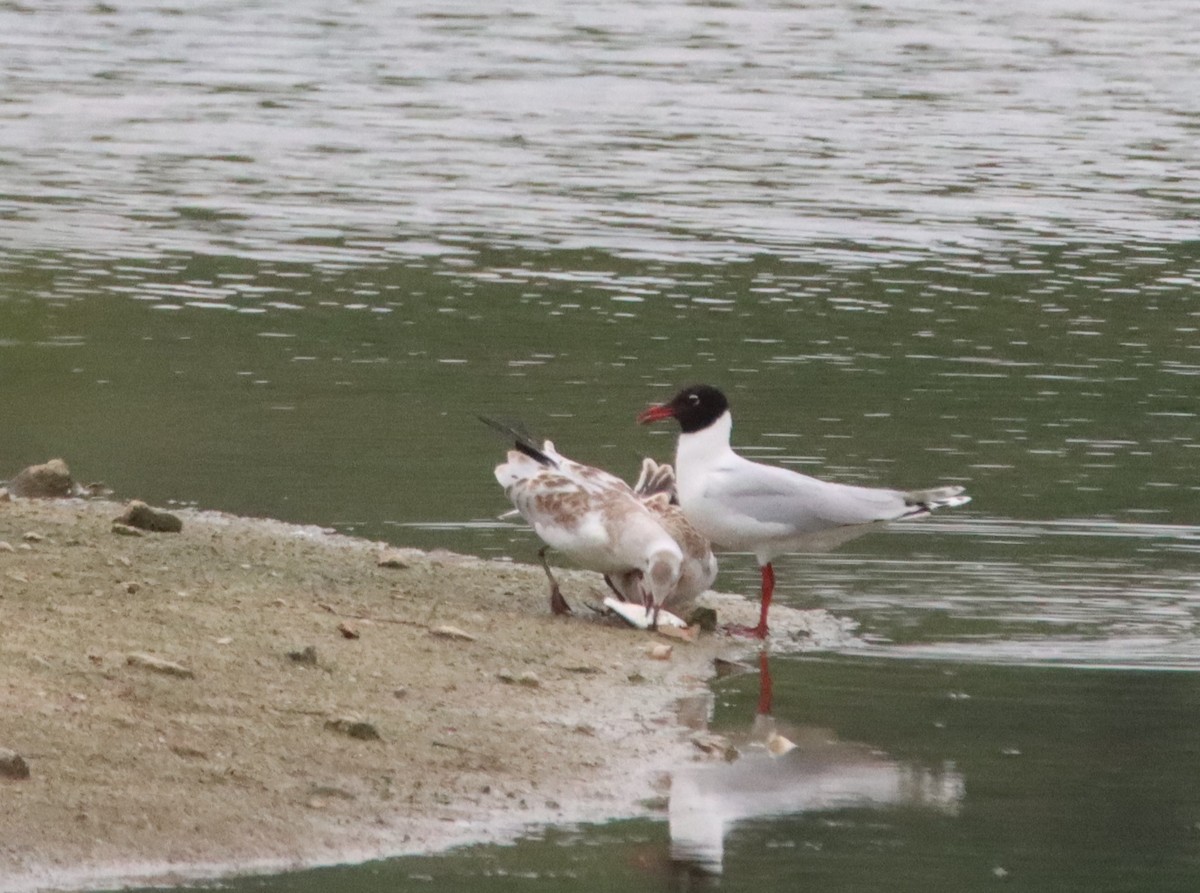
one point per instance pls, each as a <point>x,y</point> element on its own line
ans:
<point>805,504</point>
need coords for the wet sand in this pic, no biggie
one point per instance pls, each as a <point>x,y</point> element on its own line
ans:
<point>176,727</point>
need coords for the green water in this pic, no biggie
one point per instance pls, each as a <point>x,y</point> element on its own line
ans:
<point>274,260</point>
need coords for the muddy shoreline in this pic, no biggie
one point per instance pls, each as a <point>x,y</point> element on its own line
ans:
<point>248,696</point>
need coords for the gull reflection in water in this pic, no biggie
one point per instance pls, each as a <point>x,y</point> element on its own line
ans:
<point>779,771</point>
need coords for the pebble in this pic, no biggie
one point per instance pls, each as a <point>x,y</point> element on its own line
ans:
<point>12,764</point>
<point>51,480</point>
<point>306,656</point>
<point>392,560</point>
<point>354,728</point>
<point>138,514</point>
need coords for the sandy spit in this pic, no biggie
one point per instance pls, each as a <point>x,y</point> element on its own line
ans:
<point>148,684</point>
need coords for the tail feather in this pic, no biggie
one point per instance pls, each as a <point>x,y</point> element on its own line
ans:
<point>925,501</point>
<point>523,441</point>
<point>655,479</point>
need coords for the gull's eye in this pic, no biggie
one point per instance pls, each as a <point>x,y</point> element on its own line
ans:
<point>694,399</point>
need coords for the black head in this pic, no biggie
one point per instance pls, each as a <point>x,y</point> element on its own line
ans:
<point>695,408</point>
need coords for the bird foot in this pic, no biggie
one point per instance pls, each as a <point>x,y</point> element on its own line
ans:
<point>558,604</point>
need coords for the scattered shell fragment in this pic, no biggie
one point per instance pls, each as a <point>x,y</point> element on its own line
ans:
<point>687,634</point>
<point>779,745</point>
<point>452,632</point>
<point>159,665</point>
<point>715,746</point>
<point>660,651</point>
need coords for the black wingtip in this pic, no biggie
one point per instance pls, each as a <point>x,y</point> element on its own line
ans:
<point>522,440</point>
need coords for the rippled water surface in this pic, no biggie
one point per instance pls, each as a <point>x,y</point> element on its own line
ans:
<point>273,259</point>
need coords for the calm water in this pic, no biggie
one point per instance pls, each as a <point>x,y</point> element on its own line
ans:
<point>273,259</point>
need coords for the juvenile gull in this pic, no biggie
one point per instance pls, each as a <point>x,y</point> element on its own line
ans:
<point>638,540</point>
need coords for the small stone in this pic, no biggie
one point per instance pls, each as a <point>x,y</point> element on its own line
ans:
<point>188,752</point>
<point>49,481</point>
<point>12,765</point>
<point>348,631</point>
<point>33,537</point>
<point>138,514</point>
<point>392,560</point>
<point>125,530</point>
<point>158,665</point>
<point>705,618</point>
<point>132,587</point>
<point>306,656</point>
<point>660,651</point>
<point>6,547</point>
<point>354,728</point>
<point>529,679</point>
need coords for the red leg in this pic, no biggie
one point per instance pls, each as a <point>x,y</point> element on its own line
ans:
<point>764,684</point>
<point>768,590</point>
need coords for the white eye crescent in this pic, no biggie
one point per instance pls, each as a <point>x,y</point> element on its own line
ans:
<point>694,399</point>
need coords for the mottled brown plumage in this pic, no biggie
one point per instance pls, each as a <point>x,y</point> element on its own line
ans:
<point>600,523</point>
